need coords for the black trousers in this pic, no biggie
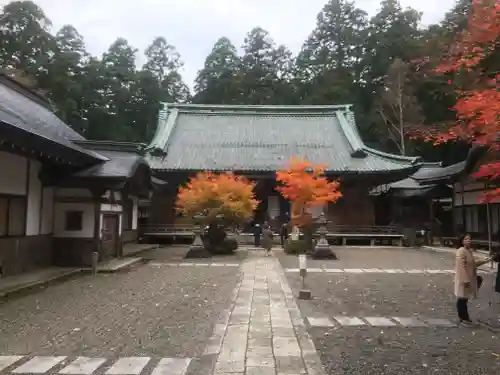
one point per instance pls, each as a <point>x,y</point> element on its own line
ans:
<point>462,303</point>
<point>256,240</point>
<point>462,309</point>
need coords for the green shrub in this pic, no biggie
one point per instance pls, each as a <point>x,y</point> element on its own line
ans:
<point>295,247</point>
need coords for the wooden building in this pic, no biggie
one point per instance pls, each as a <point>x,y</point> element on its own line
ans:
<point>61,197</point>
<point>258,140</point>
<point>424,199</point>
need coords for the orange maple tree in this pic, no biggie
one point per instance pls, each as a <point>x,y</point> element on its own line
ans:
<point>213,194</point>
<point>305,185</point>
<point>478,105</point>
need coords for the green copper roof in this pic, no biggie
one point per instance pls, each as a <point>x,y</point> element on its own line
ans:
<point>264,138</point>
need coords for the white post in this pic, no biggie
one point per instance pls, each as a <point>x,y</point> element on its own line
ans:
<point>303,293</point>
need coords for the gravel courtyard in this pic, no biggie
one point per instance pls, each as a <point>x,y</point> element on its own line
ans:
<point>151,310</point>
<point>366,349</point>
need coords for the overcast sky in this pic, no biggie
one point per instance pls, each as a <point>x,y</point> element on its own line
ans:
<point>193,26</point>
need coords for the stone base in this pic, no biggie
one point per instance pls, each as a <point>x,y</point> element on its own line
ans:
<point>196,251</point>
<point>305,294</point>
<point>323,252</point>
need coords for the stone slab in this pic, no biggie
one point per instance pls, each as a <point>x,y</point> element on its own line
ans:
<point>128,366</point>
<point>373,270</point>
<point>409,321</point>
<point>9,360</point>
<point>83,366</point>
<point>262,370</point>
<point>439,322</point>
<point>353,270</point>
<point>320,322</point>
<point>349,321</point>
<point>379,321</point>
<point>334,270</point>
<point>286,346</point>
<point>172,366</point>
<point>394,271</point>
<point>39,365</point>
<point>290,365</point>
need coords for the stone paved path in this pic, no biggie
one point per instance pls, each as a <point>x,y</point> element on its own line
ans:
<point>265,333</point>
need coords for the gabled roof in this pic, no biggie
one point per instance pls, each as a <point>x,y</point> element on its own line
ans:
<point>24,114</point>
<point>432,179</point>
<point>449,174</point>
<point>124,164</point>
<point>264,138</point>
<point>123,159</point>
<point>411,187</point>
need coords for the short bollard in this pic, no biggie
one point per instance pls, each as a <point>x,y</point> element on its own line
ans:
<point>95,260</point>
<point>304,293</point>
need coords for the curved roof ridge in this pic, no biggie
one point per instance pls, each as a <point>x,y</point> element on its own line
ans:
<point>238,107</point>
<point>395,158</point>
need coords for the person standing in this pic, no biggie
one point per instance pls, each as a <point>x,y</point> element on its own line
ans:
<point>283,233</point>
<point>496,258</point>
<point>267,238</point>
<point>467,282</point>
<point>257,231</point>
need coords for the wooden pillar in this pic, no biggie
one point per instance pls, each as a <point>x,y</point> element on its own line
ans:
<point>464,224</point>
<point>96,195</point>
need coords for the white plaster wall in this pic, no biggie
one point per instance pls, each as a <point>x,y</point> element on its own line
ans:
<point>111,207</point>
<point>47,219</point>
<point>60,218</point>
<point>34,200</point>
<point>70,192</point>
<point>116,195</point>
<point>13,179</point>
<point>135,212</point>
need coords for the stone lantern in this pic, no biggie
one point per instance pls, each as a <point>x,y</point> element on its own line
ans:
<point>322,250</point>
<point>197,249</point>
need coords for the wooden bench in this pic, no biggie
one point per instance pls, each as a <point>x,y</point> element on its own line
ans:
<point>382,233</point>
<point>167,231</point>
<point>372,237</point>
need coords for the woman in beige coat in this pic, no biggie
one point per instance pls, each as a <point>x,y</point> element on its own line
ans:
<point>267,238</point>
<point>467,282</point>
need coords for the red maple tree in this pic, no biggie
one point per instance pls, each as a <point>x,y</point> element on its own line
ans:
<point>306,186</point>
<point>478,105</point>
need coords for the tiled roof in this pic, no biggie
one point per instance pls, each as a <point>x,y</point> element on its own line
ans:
<point>449,174</point>
<point>432,177</point>
<point>123,159</point>
<point>24,110</point>
<point>264,138</point>
<point>120,165</point>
